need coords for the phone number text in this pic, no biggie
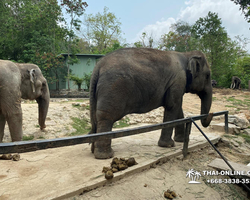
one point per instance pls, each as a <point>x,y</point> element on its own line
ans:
<point>228,181</point>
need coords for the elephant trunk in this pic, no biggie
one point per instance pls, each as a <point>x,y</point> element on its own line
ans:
<point>43,105</point>
<point>206,101</point>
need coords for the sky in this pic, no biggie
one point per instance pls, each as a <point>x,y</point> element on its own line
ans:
<point>156,17</point>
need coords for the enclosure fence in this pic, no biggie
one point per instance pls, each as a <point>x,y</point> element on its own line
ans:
<point>28,146</point>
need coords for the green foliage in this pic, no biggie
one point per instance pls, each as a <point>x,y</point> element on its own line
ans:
<point>30,27</point>
<point>242,70</point>
<point>104,32</point>
<point>246,137</point>
<point>52,66</point>
<point>221,51</point>
<point>28,137</point>
<point>244,7</point>
<point>75,8</point>
<point>178,38</point>
<point>81,125</point>
<point>86,79</point>
<point>78,81</point>
<point>239,103</point>
<point>146,41</point>
<point>122,123</point>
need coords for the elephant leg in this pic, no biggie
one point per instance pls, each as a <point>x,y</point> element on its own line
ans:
<point>166,133</point>
<point>180,129</point>
<point>102,148</point>
<point>15,125</point>
<point>2,125</point>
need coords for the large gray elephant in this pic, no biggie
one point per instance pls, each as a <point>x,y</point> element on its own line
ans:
<point>138,80</point>
<point>20,81</point>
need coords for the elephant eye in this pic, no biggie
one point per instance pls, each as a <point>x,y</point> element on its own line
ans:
<point>208,76</point>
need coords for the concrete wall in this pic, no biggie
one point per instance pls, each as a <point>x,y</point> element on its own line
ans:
<point>86,65</point>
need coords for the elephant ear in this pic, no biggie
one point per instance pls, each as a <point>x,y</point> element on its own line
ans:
<point>32,74</point>
<point>193,69</point>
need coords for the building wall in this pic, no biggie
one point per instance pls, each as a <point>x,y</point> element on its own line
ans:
<point>86,65</point>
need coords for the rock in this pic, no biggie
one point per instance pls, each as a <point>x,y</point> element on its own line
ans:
<point>247,131</point>
<point>236,131</point>
<point>84,104</point>
<point>65,100</point>
<point>75,104</point>
<point>217,118</point>
<point>232,129</point>
<point>239,120</point>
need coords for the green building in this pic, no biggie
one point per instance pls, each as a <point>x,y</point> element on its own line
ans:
<point>86,65</point>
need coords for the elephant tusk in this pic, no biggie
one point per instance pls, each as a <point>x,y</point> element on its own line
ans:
<point>33,87</point>
<point>32,80</point>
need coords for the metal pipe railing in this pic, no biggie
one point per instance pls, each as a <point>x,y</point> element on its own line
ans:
<point>28,146</point>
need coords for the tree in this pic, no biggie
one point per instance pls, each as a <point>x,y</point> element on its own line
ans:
<point>75,8</point>
<point>78,81</point>
<point>102,31</point>
<point>52,67</point>
<point>241,69</point>
<point>29,27</point>
<point>221,51</point>
<point>145,41</point>
<point>178,38</point>
<point>244,7</point>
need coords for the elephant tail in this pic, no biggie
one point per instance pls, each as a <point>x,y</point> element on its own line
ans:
<point>93,100</point>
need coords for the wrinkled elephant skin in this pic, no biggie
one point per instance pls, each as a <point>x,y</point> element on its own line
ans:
<point>20,81</point>
<point>138,80</point>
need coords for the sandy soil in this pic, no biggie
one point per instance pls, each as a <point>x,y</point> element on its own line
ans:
<point>151,184</point>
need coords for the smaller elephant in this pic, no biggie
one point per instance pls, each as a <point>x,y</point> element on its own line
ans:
<point>235,83</point>
<point>214,83</point>
<point>21,81</point>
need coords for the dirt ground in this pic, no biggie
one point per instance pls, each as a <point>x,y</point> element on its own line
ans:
<point>152,184</point>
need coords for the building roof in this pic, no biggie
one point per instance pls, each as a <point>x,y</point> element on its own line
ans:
<point>84,55</point>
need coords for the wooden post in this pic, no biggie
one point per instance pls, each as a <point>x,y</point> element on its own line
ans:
<point>249,85</point>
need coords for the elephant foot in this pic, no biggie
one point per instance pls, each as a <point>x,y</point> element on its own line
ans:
<point>168,144</point>
<point>103,154</point>
<point>179,138</point>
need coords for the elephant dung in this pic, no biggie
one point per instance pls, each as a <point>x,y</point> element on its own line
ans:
<point>170,194</point>
<point>109,175</point>
<point>131,162</point>
<point>105,169</point>
<point>122,166</point>
<point>116,161</point>
<point>16,157</point>
<point>118,165</point>
<point>114,170</point>
<point>6,157</point>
